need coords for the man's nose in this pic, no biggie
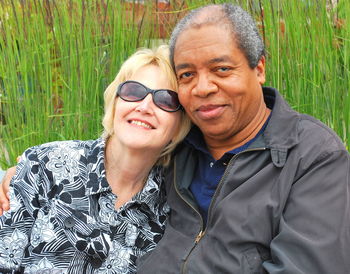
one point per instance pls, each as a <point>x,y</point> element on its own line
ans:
<point>204,86</point>
<point>146,105</point>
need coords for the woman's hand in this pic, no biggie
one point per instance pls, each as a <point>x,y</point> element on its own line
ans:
<point>4,190</point>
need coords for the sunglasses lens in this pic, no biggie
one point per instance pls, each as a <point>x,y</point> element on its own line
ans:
<point>167,100</point>
<point>132,92</point>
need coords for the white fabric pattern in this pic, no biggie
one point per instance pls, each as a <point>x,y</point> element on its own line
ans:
<point>62,217</point>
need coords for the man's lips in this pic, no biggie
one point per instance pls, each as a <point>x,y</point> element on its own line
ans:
<point>207,112</point>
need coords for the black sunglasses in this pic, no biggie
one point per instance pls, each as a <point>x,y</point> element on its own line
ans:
<point>165,99</point>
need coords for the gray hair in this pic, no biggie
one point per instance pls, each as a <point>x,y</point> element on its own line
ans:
<point>243,27</point>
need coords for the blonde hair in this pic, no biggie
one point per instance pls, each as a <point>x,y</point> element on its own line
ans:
<point>141,58</point>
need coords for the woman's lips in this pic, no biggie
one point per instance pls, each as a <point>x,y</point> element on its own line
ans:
<point>209,112</point>
<point>141,123</point>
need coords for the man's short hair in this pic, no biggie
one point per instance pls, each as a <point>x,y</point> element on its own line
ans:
<point>244,30</point>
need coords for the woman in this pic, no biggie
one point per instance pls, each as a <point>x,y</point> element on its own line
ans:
<point>96,206</point>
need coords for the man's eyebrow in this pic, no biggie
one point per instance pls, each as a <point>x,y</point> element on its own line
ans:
<point>182,66</point>
<point>224,58</point>
<point>220,59</point>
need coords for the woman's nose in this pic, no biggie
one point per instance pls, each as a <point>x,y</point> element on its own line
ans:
<point>146,105</point>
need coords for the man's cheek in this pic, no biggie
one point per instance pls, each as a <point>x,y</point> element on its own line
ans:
<point>183,97</point>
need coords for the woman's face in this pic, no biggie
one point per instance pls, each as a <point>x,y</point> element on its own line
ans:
<point>143,125</point>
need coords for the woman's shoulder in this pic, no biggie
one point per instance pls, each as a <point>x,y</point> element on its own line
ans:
<point>63,159</point>
<point>63,162</point>
<point>68,144</point>
<point>62,149</point>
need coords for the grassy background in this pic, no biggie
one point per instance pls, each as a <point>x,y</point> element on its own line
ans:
<point>57,57</point>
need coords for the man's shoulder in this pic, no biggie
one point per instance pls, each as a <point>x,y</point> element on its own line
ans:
<point>318,135</point>
<point>289,127</point>
<point>316,143</point>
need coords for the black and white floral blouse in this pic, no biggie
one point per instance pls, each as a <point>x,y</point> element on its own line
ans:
<point>62,217</point>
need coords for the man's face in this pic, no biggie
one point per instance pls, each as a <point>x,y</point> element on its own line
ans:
<point>219,91</point>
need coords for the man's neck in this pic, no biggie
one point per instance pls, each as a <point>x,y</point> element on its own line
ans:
<point>218,147</point>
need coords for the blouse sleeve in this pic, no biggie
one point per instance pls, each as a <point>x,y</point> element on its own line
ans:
<point>16,223</point>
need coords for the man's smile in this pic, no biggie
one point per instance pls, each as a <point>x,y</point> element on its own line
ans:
<point>208,112</point>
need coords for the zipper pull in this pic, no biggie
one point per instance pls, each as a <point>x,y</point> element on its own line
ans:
<point>199,237</point>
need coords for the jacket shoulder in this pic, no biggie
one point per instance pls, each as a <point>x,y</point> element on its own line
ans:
<point>317,135</point>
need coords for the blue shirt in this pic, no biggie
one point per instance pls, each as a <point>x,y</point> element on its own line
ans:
<point>209,171</point>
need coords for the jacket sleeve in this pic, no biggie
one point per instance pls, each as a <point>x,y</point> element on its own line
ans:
<point>314,230</point>
<point>16,223</point>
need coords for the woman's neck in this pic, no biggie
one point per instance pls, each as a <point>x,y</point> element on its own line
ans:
<point>127,169</point>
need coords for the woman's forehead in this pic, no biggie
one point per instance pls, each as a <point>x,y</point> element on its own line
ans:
<point>152,76</point>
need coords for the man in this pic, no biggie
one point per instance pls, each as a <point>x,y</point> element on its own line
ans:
<point>256,187</point>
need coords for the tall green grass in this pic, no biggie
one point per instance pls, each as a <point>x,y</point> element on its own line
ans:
<point>308,46</point>
<point>57,57</point>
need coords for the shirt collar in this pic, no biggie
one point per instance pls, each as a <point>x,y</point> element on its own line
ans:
<point>97,183</point>
<point>151,195</point>
<point>196,140</point>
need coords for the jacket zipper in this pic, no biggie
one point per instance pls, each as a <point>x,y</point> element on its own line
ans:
<point>202,232</point>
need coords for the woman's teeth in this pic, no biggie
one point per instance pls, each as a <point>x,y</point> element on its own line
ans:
<point>139,123</point>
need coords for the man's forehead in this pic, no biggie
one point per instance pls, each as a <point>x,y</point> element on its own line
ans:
<point>208,15</point>
<point>215,47</point>
<point>185,37</point>
<point>214,60</point>
<point>212,15</point>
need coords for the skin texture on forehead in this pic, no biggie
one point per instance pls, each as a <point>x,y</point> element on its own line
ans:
<point>208,15</point>
<point>144,76</point>
<point>211,15</point>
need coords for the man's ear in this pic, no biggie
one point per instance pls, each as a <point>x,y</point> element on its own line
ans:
<point>260,70</point>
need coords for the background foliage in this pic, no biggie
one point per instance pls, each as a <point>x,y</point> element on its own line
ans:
<point>58,56</point>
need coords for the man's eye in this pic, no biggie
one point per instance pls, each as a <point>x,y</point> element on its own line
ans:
<point>185,75</point>
<point>223,69</point>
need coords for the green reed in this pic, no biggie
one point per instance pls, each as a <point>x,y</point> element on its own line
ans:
<point>57,57</point>
<point>308,58</point>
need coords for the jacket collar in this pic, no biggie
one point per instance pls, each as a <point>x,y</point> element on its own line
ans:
<point>281,133</point>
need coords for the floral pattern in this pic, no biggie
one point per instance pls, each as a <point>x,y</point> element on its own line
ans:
<point>43,266</point>
<point>62,217</point>
<point>42,231</point>
<point>117,261</point>
<point>106,213</point>
<point>12,248</point>
<point>63,163</point>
